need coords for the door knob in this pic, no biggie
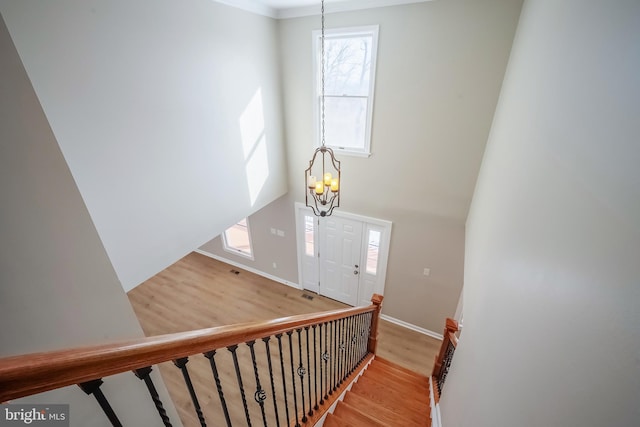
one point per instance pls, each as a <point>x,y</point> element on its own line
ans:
<point>356,265</point>
<point>356,272</point>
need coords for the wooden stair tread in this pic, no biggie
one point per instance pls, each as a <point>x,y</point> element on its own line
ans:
<point>412,413</point>
<point>389,386</point>
<point>399,371</point>
<point>390,400</point>
<point>351,416</point>
<point>331,421</point>
<point>391,416</point>
<point>398,376</point>
<point>381,360</point>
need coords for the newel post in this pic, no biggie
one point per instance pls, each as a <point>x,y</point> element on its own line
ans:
<point>451,327</point>
<point>375,318</point>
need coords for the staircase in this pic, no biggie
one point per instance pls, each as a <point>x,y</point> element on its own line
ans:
<point>386,395</point>
<point>324,355</point>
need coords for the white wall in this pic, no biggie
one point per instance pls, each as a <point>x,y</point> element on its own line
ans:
<point>167,112</point>
<point>552,281</point>
<point>57,286</point>
<point>440,67</point>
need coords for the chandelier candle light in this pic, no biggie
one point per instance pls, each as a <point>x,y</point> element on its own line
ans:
<point>322,177</point>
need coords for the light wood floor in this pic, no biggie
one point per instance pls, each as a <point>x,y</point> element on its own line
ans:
<point>200,292</point>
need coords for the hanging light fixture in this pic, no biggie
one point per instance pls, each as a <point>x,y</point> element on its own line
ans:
<point>322,177</point>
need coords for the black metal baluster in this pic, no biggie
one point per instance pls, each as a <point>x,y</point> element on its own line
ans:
<point>356,356</point>
<point>343,348</point>
<point>211,356</point>
<point>93,387</point>
<point>233,349</point>
<point>260,395</point>
<point>284,382</point>
<point>354,333</point>
<point>144,374</point>
<point>446,364</point>
<point>293,379</point>
<point>325,357</point>
<point>321,370</point>
<point>350,344</point>
<point>365,337</point>
<point>335,355</point>
<point>315,365</point>
<point>182,364</point>
<point>367,333</point>
<point>347,346</point>
<point>356,341</point>
<point>273,386</point>
<point>339,352</point>
<point>359,335</point>
<point>306,330</point>
<point>301,373</point>
<point>330,349</point>
<point>361,338</point>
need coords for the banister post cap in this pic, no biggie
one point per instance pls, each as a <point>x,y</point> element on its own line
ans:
<point>452,325</point>
<point>376,299</point>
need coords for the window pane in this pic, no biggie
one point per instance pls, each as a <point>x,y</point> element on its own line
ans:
<point>372,252</point>
<point>309,225</point>
<point>236,238</point>
<point>349,73</point>
<point>348,65</point>
<point>345,122</point>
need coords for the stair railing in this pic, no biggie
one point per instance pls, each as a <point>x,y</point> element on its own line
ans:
<point>445,356</point>
<point>309,359</point>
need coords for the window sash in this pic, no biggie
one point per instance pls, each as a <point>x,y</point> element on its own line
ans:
<point>237,239</point>
<point>363,147</point>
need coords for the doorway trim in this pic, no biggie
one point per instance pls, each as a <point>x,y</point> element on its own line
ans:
<point>385,241</point>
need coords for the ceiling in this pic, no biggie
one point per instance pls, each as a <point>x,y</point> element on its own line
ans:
<point>282,9</point>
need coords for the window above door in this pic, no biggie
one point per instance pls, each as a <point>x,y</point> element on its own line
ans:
<point>350,63</point>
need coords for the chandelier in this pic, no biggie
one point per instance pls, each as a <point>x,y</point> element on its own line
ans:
<point>322,177</point>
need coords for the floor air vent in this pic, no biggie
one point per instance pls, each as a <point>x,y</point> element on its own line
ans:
<point>307,296</point>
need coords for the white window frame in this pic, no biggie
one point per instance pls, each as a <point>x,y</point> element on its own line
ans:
<point>234,250</point>
<point>317,87</point>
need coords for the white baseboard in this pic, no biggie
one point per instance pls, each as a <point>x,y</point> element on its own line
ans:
<point>412,327</point>
<point>435,408</point>
<point>250,269</point>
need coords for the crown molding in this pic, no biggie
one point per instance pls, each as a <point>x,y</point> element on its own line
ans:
<point>251,6</point>
<point>297,12</point>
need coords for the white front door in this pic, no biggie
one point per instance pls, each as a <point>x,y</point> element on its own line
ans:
<point>344,256</point>
<point>340,255</point>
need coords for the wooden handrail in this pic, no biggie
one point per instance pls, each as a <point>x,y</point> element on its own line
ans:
<point>38,372</point>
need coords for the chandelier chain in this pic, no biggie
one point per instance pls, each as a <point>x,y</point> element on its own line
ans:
<point>323,65</point>
<point>323,194</point>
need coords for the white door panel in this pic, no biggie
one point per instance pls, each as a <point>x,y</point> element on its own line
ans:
<point>339,254</point>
